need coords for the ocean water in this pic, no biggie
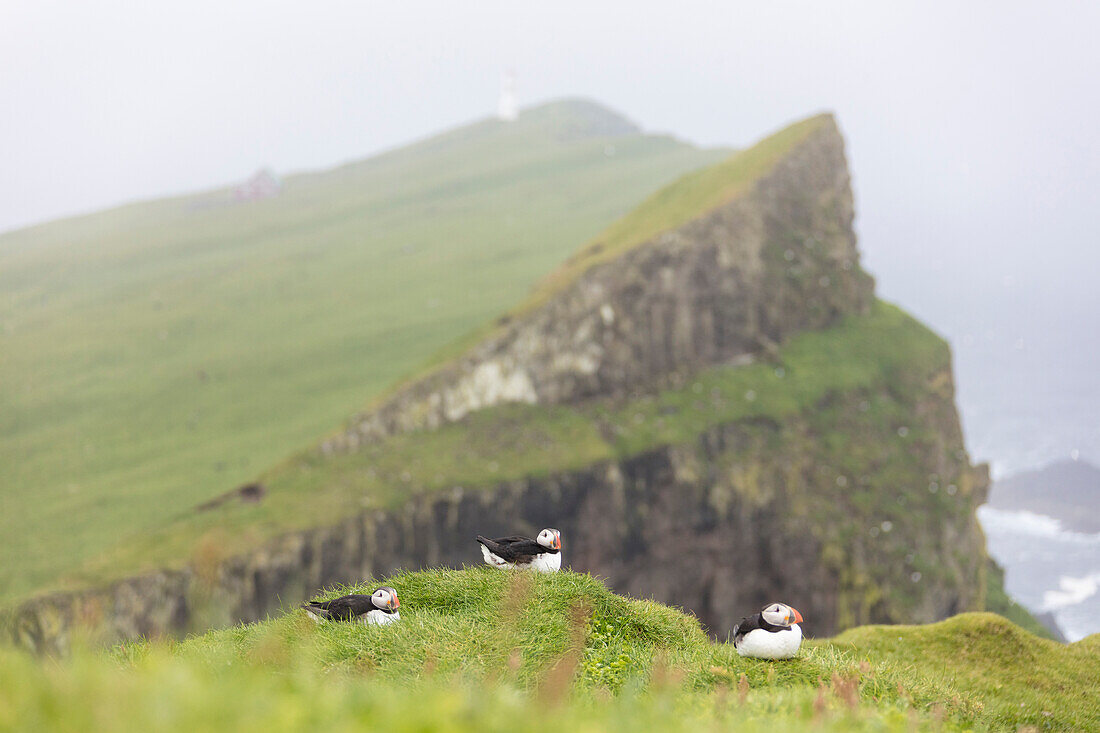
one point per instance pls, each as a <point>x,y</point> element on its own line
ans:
<point>1047,568</point>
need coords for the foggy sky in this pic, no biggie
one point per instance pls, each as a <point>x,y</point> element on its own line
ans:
<point>973,132</point>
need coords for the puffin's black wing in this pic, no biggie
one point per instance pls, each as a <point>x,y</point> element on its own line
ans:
<point>515,549</point>
<point>343,608</point>
<point>747,624</point>
<point>513,540</point>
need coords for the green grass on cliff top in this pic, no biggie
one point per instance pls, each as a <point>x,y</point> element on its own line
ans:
<point>485,650</point>
<point>156,355</point>
<point>687,198</point>
<point>886,350</point>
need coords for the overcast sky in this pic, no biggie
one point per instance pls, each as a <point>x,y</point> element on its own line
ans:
<point>973,132</point>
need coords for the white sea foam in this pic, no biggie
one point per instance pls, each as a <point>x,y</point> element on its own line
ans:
<point>1030,524</point>
<point>1047,568</point>
<point>1071,591</point>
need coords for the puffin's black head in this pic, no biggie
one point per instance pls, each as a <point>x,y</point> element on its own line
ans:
<point>780,614</point>
<point>550,539</point>
<point>385,599</point>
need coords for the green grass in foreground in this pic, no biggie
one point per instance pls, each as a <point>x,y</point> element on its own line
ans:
<point>886,350</point>
<point>484,650</point>
<point>159,354</point>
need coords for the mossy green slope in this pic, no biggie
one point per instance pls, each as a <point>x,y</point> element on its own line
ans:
<point>1012,677</point>
<point>161,353</point>
<point>481,650</point>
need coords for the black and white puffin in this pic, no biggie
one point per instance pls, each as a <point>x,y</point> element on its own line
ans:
<point>542,553</point>
<point>378,608</point>
<point>774,633</point>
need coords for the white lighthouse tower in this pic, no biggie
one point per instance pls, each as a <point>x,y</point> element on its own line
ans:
<point>507,109</point>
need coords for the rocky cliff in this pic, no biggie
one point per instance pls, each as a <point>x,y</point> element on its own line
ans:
<point>773,257</point>
<point>709,404</point>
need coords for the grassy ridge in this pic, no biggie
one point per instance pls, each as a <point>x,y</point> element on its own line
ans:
<point>164,352</point>
<point>481,650</point>
<point>864,354</point>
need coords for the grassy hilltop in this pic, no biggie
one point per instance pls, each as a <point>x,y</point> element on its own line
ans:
<point>486,650</point>
<point>161,353</point>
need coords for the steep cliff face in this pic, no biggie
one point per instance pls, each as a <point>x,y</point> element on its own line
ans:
<point>772,257</point>
<point>711,407</point>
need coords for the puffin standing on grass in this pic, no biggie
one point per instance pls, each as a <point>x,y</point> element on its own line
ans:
<point>542,553</point>
<point>379,608</point>
<point>771,634</point>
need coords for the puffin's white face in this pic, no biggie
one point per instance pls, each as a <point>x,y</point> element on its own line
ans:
<point>550,539</point>
<point>780,614</point>
<point>385,598</point>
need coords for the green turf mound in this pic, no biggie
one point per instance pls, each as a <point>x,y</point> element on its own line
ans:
<point>480,622</point>
<point>567,635</point>
<point>480,649</point>
<point>1017,677</point>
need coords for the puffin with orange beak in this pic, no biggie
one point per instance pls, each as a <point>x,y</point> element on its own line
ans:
<point>542,553</point>
<point>379,608</point>
<point>774,633</point>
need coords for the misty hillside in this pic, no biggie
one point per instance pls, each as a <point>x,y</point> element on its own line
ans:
<point>158,354</point>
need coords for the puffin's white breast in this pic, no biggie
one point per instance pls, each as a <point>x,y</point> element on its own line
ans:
<point>380,618</point>
<point>547,562</point>
<point>764,644</point>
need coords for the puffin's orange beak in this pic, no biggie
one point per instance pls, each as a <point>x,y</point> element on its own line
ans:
<point>797,616</point>
<point>394,603</point>
<point>557,542</point>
